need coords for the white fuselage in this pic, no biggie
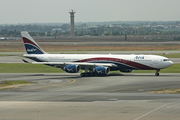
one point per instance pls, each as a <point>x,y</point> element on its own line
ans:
<point>144,62</point>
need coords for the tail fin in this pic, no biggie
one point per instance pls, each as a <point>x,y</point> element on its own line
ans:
<point>31,46</point>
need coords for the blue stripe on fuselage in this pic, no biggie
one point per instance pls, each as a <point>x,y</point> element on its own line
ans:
<point>119,65</point>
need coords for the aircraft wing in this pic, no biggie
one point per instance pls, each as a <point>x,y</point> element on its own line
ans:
<point>82,64</point>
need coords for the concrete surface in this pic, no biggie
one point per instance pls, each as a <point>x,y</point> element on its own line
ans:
<point>67,96</point>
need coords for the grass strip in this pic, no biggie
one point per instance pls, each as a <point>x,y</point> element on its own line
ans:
<point>12,84</point>
<point>175,68</point>
<point>17,82</point>
<point>167,91</point>
<point>27,68</point>
<point>171,55</point>
<point>38,68</point>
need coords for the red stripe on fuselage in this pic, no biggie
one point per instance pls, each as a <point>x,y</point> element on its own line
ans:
<point>29,42</point>
<point>125,62</point>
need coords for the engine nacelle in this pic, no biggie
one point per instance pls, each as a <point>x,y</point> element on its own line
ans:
<point>101,70</point>
<point>126,70</point>
<point>72,68</point>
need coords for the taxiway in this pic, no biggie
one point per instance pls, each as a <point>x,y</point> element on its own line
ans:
<point>67,96</point>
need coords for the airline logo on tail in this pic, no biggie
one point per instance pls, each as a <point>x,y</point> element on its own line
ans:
<point>31,50</point>
<point>31,46</point>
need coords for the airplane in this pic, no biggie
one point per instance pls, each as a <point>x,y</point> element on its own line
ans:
<point>93,64</point>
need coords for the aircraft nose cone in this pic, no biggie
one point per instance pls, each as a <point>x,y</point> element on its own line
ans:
<point>170,63</point>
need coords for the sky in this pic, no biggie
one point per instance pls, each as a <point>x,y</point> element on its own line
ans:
<point>56,11</point>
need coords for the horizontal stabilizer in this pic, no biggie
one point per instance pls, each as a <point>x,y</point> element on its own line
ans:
<point>25,61</point>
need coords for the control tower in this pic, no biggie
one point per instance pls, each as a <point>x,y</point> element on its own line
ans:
<point>72,22</point>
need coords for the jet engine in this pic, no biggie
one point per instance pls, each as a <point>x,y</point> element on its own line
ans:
<point>126,70</point>
<point>72,68</point>
<point>100,70</point>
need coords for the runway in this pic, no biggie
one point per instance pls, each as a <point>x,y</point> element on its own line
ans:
<point>67,96</point>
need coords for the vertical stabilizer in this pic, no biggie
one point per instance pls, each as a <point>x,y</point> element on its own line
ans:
<point>31,46</point>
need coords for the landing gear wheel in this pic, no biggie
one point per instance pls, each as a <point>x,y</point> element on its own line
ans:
<point>88,74</point>
<point>82,75</point>
<point>156,74</point>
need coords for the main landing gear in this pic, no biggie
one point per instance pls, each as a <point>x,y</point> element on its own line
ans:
<point>87,74</point>
<point>157,72</point>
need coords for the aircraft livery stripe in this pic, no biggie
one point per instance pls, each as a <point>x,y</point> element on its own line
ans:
<point>122,61</point>
<point>27,41</point>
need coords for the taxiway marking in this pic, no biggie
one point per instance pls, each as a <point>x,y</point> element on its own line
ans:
<point>142,87</point>
<point>152,111</point>
<point>173,105</point>
<point>90,86</point>
<point>73,80</point>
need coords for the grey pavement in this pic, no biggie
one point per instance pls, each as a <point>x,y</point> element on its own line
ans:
<point>68,96</point>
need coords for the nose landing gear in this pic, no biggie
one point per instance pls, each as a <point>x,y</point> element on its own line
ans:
<point>157,72</point>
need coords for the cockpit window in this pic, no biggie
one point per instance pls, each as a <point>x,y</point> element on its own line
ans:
<point>166,60</point>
